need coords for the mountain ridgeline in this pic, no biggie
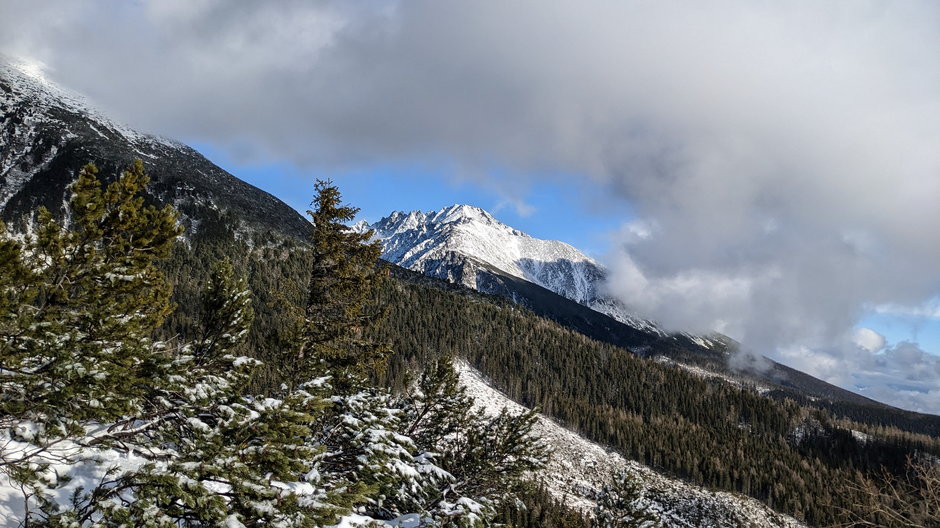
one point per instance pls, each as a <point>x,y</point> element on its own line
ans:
<point>465,245</point>
<point>47,135</point>
<point>529,314</point>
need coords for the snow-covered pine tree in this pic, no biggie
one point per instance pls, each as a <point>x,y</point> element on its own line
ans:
<point>620,505</point>
<point>487,457</point>
<point>103,426</point>
<point>79,305</point>
<point>82,304</point>
<point>365,447</point>
<point>203,453</point>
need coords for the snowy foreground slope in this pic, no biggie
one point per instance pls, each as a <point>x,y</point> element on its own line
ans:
<point>463,244</point>
<point>579,468</point>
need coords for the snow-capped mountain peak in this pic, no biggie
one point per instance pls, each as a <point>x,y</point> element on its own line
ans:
<point>416,238</point>
<point>462,213</point>
<point>466,244</point>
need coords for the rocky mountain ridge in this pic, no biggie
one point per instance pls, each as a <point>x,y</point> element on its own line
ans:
<point>466,245</point>
<point>47,134</point>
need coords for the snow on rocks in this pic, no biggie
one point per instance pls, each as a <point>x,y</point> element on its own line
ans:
<point>26,81</point>
<point>459,242</point>
<point>579,468</point>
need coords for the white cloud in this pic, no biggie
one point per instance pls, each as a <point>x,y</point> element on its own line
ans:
<point>929,309</point>
<point>903,375</point>
<point>868,339</point>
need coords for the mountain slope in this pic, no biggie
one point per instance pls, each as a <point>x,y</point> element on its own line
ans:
<point>466,245</point>
<point>688,353</point>
<point>578,470</point>
<point>48,134</point>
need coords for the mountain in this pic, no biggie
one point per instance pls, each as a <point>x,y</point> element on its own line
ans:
<point>47,134</point>
<point>706,358</point>
<point>467,245</point>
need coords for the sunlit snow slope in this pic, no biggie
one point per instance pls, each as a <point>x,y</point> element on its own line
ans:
<point>463,244</point>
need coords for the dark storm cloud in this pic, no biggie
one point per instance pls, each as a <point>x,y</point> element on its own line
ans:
<point>782,158</point>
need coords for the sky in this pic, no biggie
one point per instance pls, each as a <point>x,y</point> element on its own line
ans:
<point>560,209</point>
<point>765,169</point>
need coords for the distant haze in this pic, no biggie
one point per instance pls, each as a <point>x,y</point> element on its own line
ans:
<point>782,159</point>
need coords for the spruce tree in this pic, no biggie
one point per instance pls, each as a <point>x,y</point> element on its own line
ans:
<point>487,458</point>
<point>343,279</point>
<point>620,505</point>
<point>227,313</point>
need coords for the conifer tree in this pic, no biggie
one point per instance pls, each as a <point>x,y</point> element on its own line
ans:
<point>80,303</point>
<point>209,454</point>
<point>486,457</point>
<point>620,505</point>
<point>343,279</point>
<point>365,450</point>
<point>226,313</point>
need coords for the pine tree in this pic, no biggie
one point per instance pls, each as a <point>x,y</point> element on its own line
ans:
<point>80,304</point>
<point>226,313</point>
<point>486,457</point>
<point>620,505</point>
<point>343,279</point>
<point>211,455</point>
<point>83,380</point>
<point>365,450</point>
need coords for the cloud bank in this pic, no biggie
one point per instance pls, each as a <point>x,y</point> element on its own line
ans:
<point>782,158</point>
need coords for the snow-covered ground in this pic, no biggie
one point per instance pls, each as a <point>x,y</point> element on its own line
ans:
<point>66,466</point>
<point>579,468</point>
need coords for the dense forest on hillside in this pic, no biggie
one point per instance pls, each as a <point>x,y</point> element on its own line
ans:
<point>796,456</point>
<point>705,431</point>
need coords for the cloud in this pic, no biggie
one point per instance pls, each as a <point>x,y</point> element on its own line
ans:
<point>902,374</point>
<point>521,208</point>
<point>927,310</point>
<point>868,340</point>
<point>782,156</point>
